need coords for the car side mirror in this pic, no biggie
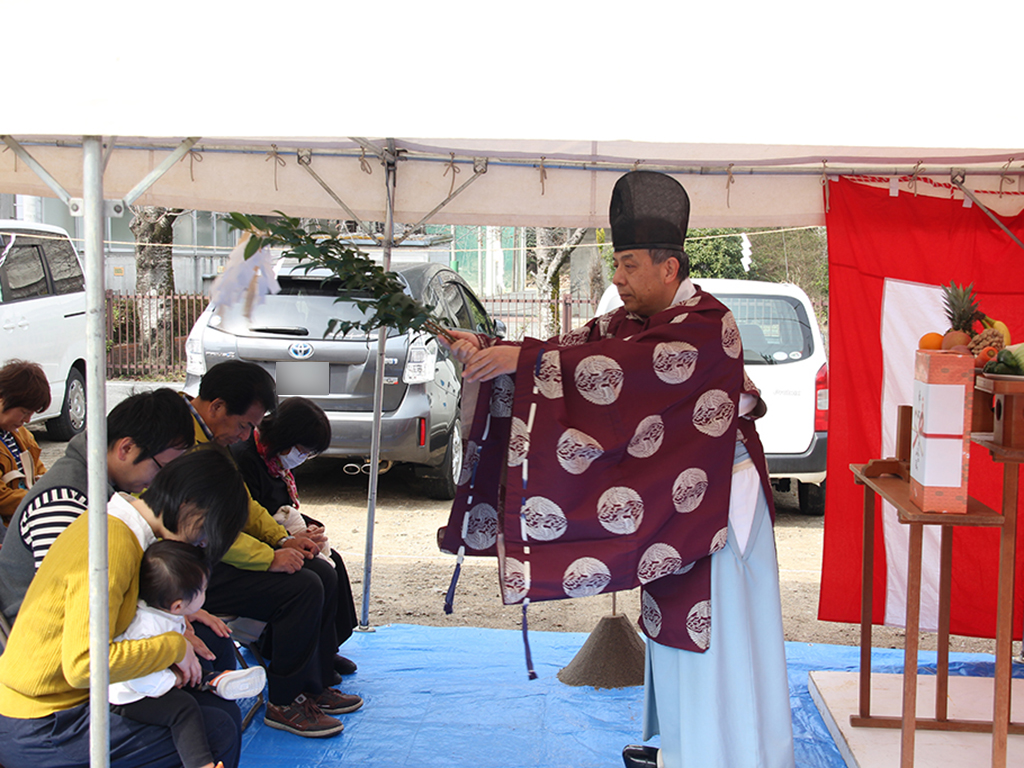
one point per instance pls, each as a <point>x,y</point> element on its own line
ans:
<point>499,329</point>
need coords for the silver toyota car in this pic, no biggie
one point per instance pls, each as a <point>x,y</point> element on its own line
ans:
<point>287,335</point>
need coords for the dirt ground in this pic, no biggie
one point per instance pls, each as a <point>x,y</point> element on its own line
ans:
<point>409,575</point>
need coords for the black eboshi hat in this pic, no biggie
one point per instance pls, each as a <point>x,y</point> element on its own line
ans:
<point>648,210</point>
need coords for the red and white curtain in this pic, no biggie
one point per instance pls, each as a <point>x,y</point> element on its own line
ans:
<point>888,255</point>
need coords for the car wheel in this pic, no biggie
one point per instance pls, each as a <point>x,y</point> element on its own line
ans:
<point>441,482</point>
<point>72,414</point>
<point>812,498</point>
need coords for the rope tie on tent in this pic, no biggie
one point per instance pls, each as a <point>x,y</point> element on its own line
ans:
<point>636,165</point>
<point>729,181</point>
<point>543,175</point>
<point>824,183</point>
<point>193,158</point>
<point>451,166</point>
<point>912,183</point>
<point>1004,179</point>
<point>278,161</point>
<point>364,164</point>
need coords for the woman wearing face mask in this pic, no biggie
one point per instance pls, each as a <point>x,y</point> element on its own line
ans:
<point>296,431</point>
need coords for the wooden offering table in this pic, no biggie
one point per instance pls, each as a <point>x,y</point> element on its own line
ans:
<point>889,478</point>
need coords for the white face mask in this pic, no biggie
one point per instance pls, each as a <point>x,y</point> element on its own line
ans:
<point>293,458</point>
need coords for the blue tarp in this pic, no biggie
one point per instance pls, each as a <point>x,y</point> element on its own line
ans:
<point>452,697</point>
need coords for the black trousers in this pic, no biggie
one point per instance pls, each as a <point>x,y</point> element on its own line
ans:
<point>179,712</point>
<point>299,609</point>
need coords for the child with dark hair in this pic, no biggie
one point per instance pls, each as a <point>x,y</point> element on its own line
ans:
<point>24,391</point>
<point>172,585</point>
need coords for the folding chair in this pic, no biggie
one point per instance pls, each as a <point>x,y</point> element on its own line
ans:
<point>246,632</point>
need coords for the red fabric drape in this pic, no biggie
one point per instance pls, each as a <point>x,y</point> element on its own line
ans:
<point>871,237</point>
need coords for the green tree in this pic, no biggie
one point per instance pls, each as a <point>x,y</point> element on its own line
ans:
<point>716,253</point>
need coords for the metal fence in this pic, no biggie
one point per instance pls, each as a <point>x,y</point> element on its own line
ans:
<point>141,344</point>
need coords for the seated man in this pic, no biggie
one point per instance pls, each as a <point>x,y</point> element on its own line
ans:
<point>144,432</point>
<point>271,576</point>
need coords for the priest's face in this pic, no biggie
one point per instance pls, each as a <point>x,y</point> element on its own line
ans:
<point>645,287</point>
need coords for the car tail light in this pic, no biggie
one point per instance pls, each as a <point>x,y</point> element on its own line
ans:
<point>821,399</point>
<point>420,360</point>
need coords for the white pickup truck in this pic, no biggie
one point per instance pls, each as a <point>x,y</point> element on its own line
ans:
<point>785,357</point>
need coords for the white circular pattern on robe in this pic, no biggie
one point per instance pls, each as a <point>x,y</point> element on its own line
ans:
<point>659,560</point>
<point>576,451</point>
<point>650,612</point>
<point>549,377</point>
<point>693,301</point>
<point>719,541</point>
<point>518,442</point>
<point>698,624</point>
<point>575,337</point>
<point>602,324</point>
<point>599,379</point>
<point>647,438</point>
<point>680,318</point>
<point>620,510</point>
<point>585,577</point>
<point>748,384</point>
<point>713,413</point>
<point>502,392</point>
<point>516,584</point>
<point>545,520</point>
<point>481,527</point>
<point>674,361</point>
<point>685,569</point>
<point>689,488</point>
<point>731,341</point>
<point>469,461</point>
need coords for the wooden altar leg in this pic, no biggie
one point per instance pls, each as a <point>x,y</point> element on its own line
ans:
<point>1004,615</point>
<point>867,579</point>
<point>942,662</point>
<point>913,627</point>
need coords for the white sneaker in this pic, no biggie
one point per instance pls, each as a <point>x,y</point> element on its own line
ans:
<point>235,683</point>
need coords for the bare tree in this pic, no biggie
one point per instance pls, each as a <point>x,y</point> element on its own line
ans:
<point>554,246</point>
<point>154,278</point>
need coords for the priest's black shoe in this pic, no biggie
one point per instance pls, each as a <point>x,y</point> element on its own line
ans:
<point>637,756</point>
<point>343,666</point>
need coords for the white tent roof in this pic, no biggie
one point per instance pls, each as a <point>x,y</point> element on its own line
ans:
<point>527,182</point>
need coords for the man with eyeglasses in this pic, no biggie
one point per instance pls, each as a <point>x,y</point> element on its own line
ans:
<point>144,432</point>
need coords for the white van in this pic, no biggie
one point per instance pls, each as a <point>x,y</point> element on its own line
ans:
<point>785,356</point>
<point>42,316</point>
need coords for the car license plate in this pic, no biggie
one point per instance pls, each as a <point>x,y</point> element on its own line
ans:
<point>303,378</point>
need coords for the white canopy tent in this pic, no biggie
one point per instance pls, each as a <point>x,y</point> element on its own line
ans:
<point>211,129</point>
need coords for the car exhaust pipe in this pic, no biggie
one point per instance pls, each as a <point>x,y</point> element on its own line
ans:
<point>356,469</point>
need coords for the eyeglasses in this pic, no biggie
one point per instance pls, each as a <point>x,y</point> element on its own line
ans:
<point>159,466</point>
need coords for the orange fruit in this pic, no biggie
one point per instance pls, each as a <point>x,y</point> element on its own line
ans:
<point>930,341</point>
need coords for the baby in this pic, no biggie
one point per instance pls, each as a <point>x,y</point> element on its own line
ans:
<point>172,585</point>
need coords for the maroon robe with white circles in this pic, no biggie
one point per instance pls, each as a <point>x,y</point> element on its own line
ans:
<point>606,463</point>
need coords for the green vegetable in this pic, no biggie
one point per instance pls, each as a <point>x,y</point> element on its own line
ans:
<point>1013,356</point>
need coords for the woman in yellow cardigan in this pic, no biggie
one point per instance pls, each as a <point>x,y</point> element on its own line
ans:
<point>199,499</point>
<point>24,391</point>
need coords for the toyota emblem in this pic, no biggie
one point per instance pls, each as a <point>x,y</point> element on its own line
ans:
<point>301,350</point>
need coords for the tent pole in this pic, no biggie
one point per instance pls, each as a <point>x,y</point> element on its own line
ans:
<point>96,426</point>
<point>41,172</point>
<point>957,178</point>
<point>390,167</point>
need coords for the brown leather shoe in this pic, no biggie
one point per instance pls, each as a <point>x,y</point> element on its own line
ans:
<point>334,702</point>
<point>303,718</point>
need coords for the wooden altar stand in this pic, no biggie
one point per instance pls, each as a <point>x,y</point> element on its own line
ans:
<point>955,736</point>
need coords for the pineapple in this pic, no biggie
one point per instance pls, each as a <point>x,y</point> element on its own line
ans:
<point>961,306</point>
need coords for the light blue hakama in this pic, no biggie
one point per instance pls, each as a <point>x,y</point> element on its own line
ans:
<point>729,706</point>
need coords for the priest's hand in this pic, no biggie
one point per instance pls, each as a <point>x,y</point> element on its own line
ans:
<point>465,346</point>
<point>487,364</point>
